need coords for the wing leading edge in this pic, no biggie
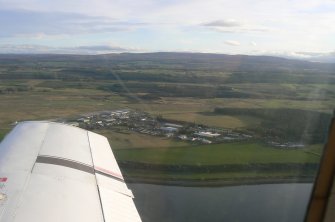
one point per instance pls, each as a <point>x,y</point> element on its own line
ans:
<point>54,172</point>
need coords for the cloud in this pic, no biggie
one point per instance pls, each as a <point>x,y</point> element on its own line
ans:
<point>253,43</point>
<point>24,48</point>
<point>311,54</point>
<point>223,23</point>
<point>100,48</point>
<point>328,57</point>
<point>233,26</point>
<point>160,25</point>
<point>25,23</point>
<point>83,50</point>
<point>232,43</point>
<point>317,56</point>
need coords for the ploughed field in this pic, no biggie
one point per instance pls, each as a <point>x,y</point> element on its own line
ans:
<point>274,99</point>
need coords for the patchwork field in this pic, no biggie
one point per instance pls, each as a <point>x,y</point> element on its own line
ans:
<point>284,101</point>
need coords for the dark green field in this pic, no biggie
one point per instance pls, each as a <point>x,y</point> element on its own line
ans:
<point>219,162</point>
<point>216,154</point>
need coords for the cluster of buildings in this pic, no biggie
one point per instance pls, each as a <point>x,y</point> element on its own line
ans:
<point>126,120</point>
<point>287,145</point>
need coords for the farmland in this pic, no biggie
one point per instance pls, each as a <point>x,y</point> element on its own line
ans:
<point>280,101</point>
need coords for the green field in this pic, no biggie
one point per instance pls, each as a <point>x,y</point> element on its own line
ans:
<point>219,164</point>
<point>216,154</point>
<point>135,140</point>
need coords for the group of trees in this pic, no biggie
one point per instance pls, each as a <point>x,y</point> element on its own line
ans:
<point>13,89</point>
<point>286,124</point>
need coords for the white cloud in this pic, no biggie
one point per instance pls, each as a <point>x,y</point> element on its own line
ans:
<point>253,43</point>
<point>40,24</point>
<point>232,43</point>
<point>309,56</point>
<point>223,23</point>
<point>234,26</point>
<point>85,50</point>
<point>241,29</point>
<point>318,56</point>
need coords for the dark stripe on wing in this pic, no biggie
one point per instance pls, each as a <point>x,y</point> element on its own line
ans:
<point>66,163</point>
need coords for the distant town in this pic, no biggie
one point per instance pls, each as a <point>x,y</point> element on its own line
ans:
<point>125,120</point>
<point>130,120</point>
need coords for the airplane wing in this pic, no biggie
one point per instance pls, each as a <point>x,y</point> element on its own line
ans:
<point>55,172</point>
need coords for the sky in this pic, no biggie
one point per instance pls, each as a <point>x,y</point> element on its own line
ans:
<point>298,28</point>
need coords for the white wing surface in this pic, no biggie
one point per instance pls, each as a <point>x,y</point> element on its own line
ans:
<point>55,172</point>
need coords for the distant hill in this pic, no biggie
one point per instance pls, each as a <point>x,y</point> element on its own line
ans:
<point>181,60</point>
